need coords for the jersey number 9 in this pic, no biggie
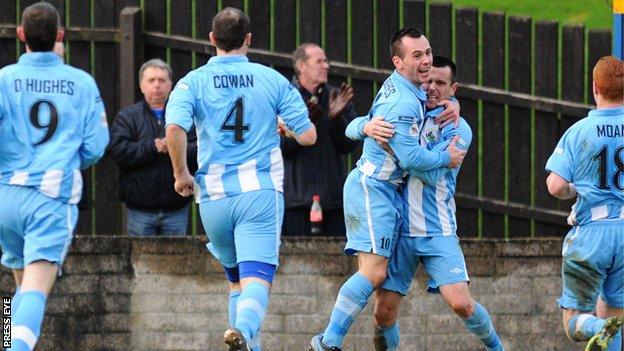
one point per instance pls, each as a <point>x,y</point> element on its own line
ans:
<point>50,127</point>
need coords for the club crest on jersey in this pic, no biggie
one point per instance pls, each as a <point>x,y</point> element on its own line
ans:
<point>414,129</point>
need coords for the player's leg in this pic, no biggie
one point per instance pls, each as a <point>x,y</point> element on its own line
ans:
<point>48,227</point>
<point>174,223</point>
<point>372,217</point>
<point>475,317</point>
<point>443,260</point>
<point>584,269</point>
<point>18,275</point>
<point>257,230</point>
<point>401,268</point>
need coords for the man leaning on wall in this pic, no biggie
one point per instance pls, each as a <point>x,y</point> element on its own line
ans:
<point>139,148</point>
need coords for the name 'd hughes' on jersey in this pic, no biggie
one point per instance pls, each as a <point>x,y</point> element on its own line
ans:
<point>233,81</point>
<point>610,131</point>
<point>60,86</point>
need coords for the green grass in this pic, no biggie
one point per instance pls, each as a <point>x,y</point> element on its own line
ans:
<point>595,14</point>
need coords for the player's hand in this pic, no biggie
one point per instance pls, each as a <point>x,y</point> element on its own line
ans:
<point>284,131</point>
<point>449,115</point>
<point>315,111</point>
<point>161,145</point>
<point>338,100</point>
<point>379,129</point>
<point>184,184</point>
<point>457,154</point>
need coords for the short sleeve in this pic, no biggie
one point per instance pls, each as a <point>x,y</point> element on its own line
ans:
<point>181,105</point>
<point>560,161</point>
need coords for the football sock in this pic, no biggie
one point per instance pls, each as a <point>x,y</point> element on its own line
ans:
<point>387,338</point>
<point>480,325</point>
<point>15,302</point>
<point>583,326</point>
<point>233,300</point>
<point>251,309</point>
<point>26,326</point>
<point>352,298</point>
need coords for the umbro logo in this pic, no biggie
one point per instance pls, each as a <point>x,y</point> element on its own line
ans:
<point>457,270</point>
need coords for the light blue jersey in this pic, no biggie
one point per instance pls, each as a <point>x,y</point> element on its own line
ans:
<point>52,124</point>
<point>590,154</point>
<point>429,206</point>
<point>401,103</point>
<point>234,105</point>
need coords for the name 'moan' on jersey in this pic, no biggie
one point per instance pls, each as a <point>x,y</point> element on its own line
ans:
<point>235,104</point>
<point>52,124</point>
<point>400,102</point>
<point>429,195</point>
<point>590,154</point>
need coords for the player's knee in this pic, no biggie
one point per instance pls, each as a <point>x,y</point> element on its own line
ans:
<point>463,307</point>
<point>384,315</point>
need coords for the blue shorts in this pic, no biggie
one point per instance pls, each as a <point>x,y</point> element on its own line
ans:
<point>593,264</point>
<point>34,227</point>
<point>372,211</point>
<point>244,227</point>
<point>441,257</point>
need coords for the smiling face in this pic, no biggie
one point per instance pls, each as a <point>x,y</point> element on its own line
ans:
<point>415,59</point>
<point>440,85</point>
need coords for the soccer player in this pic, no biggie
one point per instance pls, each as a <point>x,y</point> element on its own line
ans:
<point>588,163</point>
<point>372,202</point>
<point>234,105</point>
<point>52,124</point>
<point>429,228</point>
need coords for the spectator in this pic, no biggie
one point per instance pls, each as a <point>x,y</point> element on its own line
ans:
<point>139,148</point>
<point>318,169</point>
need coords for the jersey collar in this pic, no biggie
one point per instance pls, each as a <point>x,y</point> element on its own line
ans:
<point>228,58</point>
<point>418,91</point>
<point>615,111</point>
<point>40,58</point>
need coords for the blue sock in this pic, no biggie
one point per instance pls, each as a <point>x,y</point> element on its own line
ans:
<point>352,299</point>
<point>26,326</point>
<point>251,309</point>
<point>233,301</point>
<point>616,342</point>
<point>254,344</point>
<point>480,325</point>
<point>15,301</point>
<point>391,336</point>
<point>588,326</point>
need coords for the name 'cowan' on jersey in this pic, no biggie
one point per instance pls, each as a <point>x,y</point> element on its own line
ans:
<point>233,81</point>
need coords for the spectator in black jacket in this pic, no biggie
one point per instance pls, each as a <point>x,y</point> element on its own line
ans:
<point>317,169</point>
<point>139,147</point>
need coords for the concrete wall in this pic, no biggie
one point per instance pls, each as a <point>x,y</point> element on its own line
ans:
<point>170,294</point>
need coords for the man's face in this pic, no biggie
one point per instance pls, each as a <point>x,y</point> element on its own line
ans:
<point>314,70</point>
<point>155,86</point>
<point>440,86</point>
<point>416,59</point>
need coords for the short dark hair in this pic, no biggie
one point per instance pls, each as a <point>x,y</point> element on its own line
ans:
<point>230,26</point>
<point>301,55</point>
<point>395,44</point>
<point>441,61</point>
<point>41,22</point>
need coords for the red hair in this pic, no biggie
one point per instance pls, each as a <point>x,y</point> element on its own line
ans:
<point>608,75</point>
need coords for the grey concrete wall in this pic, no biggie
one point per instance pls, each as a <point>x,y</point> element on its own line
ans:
<point>170,294</point>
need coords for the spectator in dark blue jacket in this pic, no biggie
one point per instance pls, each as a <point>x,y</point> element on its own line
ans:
<point>139,148</point>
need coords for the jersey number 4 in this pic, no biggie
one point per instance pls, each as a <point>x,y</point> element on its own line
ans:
<point>50,127</point>
<point>236,115</point>
<point>602,157</point>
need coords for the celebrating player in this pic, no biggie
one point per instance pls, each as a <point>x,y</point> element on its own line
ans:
<point>588,163</point>
<point>234,105</point>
